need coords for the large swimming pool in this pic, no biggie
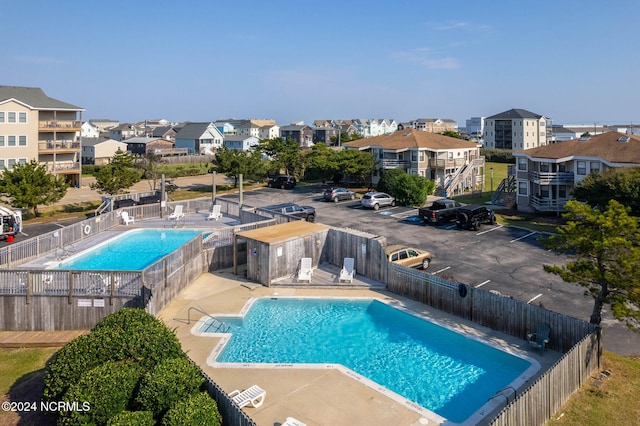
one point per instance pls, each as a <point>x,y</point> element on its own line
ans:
<point>132,251</point>
<point>443,371</point>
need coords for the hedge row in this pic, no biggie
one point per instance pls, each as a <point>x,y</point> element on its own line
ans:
<point>130,370</point>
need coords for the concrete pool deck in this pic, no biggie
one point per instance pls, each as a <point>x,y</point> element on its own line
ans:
<point>316,396</point>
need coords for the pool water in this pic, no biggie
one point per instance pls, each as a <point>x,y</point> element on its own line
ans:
<point>132,251</point>
<point>441,370</point>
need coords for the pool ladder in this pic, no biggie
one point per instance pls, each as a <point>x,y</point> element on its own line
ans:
<point>216,326</point>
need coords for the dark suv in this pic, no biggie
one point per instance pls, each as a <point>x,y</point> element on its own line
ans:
<point>471,217</point>
<point>307,213</point>
<point>282,182</point>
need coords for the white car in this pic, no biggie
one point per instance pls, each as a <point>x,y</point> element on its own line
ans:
<point>375,200</point>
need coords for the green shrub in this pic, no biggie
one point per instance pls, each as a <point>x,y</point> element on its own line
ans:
<point>79,355</point>
<point>129,334</point>
<point>196,410</point>
<point>492,155</point>
<point>409,190</point>
<point>108,388</point>
<point>132,418</point>
<point>170,381</point>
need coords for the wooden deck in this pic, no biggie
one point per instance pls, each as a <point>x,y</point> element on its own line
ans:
<point>37,339</point>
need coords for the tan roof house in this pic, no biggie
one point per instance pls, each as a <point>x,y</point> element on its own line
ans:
<point>34,126</point>
<point>454,164</point>
<point>546,175</point>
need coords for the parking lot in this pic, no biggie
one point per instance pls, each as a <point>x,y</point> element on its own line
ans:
<point>496,258</point>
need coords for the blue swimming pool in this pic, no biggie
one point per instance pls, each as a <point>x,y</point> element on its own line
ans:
<point>441,370</point>
<point>132,251</point>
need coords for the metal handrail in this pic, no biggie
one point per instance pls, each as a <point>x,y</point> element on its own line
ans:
<point>222,325</point>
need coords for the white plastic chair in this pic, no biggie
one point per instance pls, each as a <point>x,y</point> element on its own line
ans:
<point>306,269</point>
<point>348,269</point>
<point>126,219</point>
<point>290,421</point>
<point>253,395</point>
<point>215,213</point>
<point>177,213</point>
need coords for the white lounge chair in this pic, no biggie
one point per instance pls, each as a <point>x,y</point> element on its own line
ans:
<point>177,213</point>
<point>306,269</point>
<point>253,395</point>
<point>215,213</point>
<point>348,269</point>
<point>290,421</point>
<point>126,219</point>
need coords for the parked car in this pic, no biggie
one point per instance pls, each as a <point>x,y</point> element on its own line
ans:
<point>307,213</point>
<point>375,200</point>
<point>440,211</point>
<point>338,194</point>
<point>282,182</point>
<point>127,202</point>
<point>408,256</point>
<point>472,216</point>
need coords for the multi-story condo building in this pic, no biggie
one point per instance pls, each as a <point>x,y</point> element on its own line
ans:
<point>475,127</point>
<point>431,125</point>
<point>34,126</point>
<point>455,165</point>
<point>546,175</point>
<point>369,127</point>
<point>516,129</point>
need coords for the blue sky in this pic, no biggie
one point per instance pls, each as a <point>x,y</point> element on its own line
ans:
<point>299,60</point>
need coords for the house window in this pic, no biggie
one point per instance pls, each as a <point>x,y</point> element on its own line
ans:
<point>1,116</point>
<point>581,168</point>
<point>2,164</point>
<point>544,167</point>
<point>522,164</point>
<point>11,141</point>
<point>22,117</point>
<point>380,154</point>
<point>594,166</point>
<point>523,188</point>
<point>10,163</point>
<point>22,161</point>
<point>544,191</point>
<point>421,156</point>
<point>414,156</point>
<point>22,140</point>
<point>11,117</point>
<point>1,140</point>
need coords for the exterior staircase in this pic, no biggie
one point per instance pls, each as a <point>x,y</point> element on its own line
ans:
<point>505,194</point>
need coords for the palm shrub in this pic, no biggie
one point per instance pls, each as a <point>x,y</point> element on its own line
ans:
<point>170,381</point>
<point>108,388</point>
<point>196,410</point>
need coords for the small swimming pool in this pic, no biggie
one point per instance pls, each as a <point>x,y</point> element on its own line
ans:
<point>132,251</point>
<point>443,371</point>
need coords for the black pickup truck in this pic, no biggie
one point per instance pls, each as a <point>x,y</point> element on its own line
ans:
<point>440,211</point>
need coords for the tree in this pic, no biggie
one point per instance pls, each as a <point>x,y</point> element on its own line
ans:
<point>233,163</point>
<point>322,162</point>
<point>452,134</point>
<point>149,164</point>
<point>357,164</point>
<point>409,190</point>
<point>118,175</point>
<point>283,153</point>
<point>604,256</point>
<point>29,185</point>
<point>622,185</point>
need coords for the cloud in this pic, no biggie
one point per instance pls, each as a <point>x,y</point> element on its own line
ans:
<point>38,60</point>
<point>427,59</point>
<point>467,26</point>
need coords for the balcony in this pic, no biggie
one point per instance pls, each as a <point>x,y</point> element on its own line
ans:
<point>63,167</point>
<point>51,147</point>
<point>59,125</point>
<point>454,163</point>
<point>394,164</point>
<point>549,178</point>
<point>547,204</point>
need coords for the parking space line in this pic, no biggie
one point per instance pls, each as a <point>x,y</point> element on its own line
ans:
<point>531,300</point>
<point>441,270</point>
<point>408,213</point>
<point>490,230</point>
<point>522,238</point>
<point>483,283</point>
